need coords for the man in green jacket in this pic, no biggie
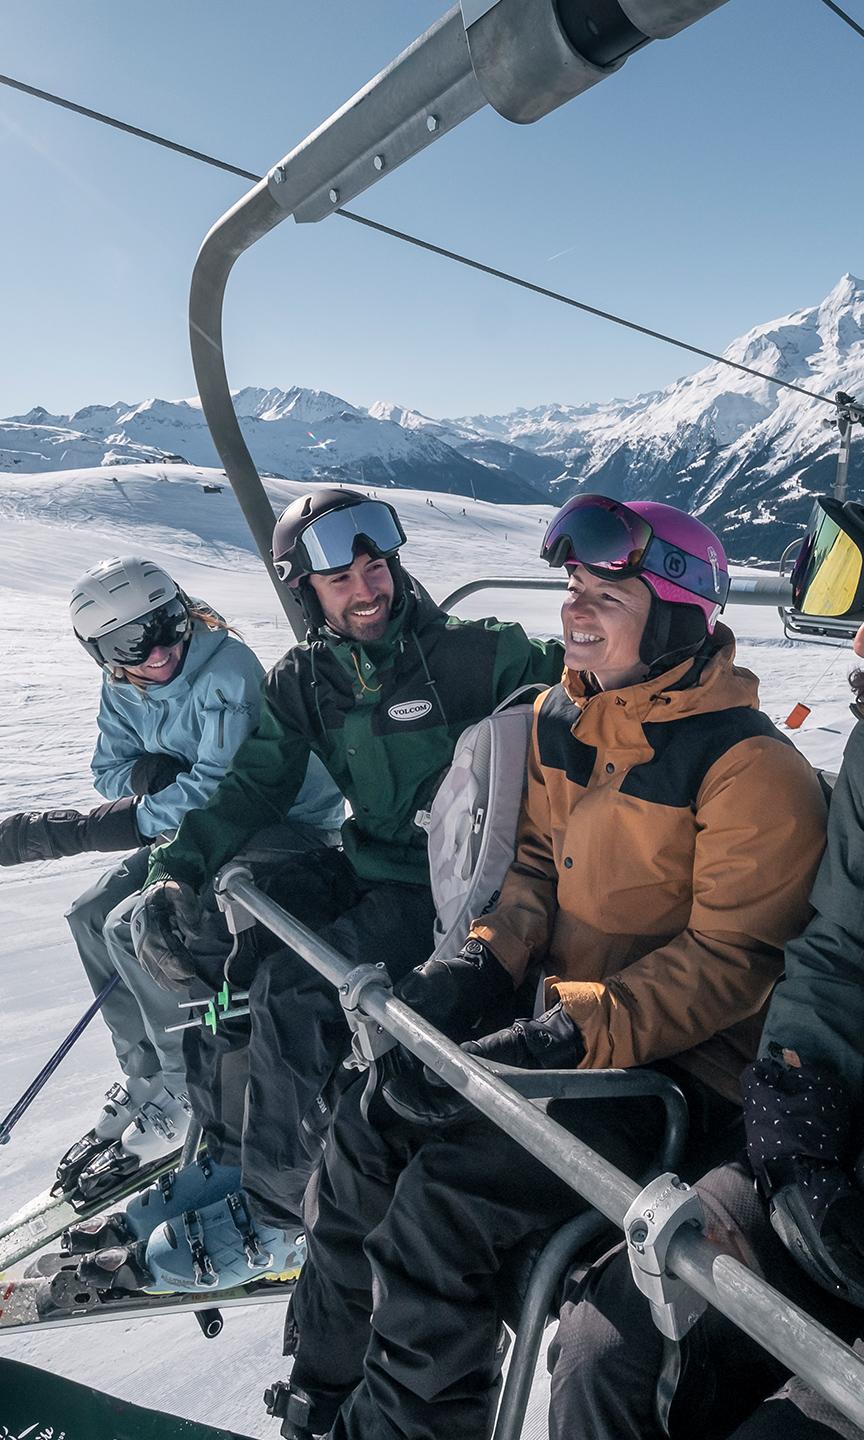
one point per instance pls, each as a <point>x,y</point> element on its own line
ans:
<point>381,691</point>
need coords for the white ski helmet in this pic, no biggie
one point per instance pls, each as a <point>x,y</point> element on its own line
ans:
<point>122,608</point>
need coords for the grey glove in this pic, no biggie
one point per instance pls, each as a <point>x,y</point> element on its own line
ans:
<point>165,916</point>
<point>152,773</point>
<point>50,834</point>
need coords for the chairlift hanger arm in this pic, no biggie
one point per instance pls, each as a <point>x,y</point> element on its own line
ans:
<point>517,55</point>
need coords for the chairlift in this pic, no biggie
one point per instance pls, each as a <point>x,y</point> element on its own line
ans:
<point>525,58</point>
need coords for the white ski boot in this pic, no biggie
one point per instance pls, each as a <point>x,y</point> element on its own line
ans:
<point>157,1131</point>
<point>122,1103</point>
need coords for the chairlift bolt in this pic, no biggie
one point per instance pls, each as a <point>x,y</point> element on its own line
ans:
<point>378,162</point>
<point>278,175</point>
<point>432,123</point>
<point>334,196</point>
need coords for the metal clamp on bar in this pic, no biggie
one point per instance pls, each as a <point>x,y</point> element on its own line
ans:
<point>237,917</point>
<point>368,1038</point>
<point>664,1207</point>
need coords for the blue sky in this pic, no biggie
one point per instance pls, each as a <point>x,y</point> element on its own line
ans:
<point>708,186</point>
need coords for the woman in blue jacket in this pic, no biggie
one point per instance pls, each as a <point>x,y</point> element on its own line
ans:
<point>179,694</point>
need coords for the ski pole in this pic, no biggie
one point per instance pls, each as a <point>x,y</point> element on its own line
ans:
<point>24,1101</point>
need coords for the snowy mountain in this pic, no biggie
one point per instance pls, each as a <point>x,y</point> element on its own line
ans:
<point>742,453</point>
<point>737,450</point>
<point>293,434</point>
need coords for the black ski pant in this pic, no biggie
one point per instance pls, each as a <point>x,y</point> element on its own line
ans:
<point>411,1227</point>
<point>614,1376</point>
<point>296,1034</point>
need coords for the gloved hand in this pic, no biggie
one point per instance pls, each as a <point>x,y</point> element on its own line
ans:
<point>454,995</point>
<point>166,913</point>
<point>798,1135</point>
<point>50,834</point>
<point>152,773</point>
<point>551,1042</point>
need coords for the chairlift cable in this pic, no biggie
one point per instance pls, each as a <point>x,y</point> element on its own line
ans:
<point>415,240</point>
<point>853,24</point>
<point>122,125</point>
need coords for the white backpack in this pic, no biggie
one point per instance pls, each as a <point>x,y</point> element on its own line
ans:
<point>473,819</point>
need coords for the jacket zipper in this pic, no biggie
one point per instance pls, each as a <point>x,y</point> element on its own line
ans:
<point>221,730</point>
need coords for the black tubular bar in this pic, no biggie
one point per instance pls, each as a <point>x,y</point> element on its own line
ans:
<point>798,1341</point>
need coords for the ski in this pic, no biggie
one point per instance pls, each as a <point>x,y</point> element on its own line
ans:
<point>36,1303</point>
<point>45,1217</point>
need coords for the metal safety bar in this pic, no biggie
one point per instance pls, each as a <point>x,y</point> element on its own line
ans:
<point>784,1329</point>
<point>770,590</point>
<point>523,57</point>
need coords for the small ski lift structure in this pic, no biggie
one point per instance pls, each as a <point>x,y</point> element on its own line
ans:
<point>525,58</point>
<point>826,629</point>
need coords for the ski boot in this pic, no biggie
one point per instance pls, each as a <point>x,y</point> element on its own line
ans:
<point>196,1185</point>
<point>293,1406</point>
<point>122,1102</point>
<point>157,1131</point>
<point>219,1247</point>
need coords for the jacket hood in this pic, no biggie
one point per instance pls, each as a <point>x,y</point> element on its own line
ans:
<point>711,681</point>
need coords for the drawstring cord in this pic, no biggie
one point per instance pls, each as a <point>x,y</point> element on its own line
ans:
<point>429,680</point>
<point>368,689</point>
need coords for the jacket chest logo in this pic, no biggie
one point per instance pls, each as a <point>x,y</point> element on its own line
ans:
<point>410,710</point>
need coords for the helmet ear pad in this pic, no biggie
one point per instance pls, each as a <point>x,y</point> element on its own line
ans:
<point>672,633</point>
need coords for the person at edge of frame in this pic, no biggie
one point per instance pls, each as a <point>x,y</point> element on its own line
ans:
<point>180,690</point>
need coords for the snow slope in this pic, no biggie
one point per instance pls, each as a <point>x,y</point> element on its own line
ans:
<point>53,526</point>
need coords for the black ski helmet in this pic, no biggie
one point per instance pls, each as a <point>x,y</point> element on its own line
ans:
<point>307,542</point>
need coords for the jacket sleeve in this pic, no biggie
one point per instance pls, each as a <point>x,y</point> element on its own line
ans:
<point>117,750</point>
<point>760,821</point>
<point>230,705</point>
<point>521,661</point>
<point>520,926</point>
<point>818,1009</point>
<point>262,783</point>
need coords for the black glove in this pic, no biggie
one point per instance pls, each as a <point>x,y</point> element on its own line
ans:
<point>454,995</point>
<point>164,916</point>
<point>152,773</point>
<point>798,1137</point>
<point>50,834</point>
<point>552,1042</point>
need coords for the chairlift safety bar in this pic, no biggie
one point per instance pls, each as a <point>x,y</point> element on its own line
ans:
<point>787,1332</point>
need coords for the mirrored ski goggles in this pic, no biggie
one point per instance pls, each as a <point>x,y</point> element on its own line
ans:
<point>828,574</point>
<point>330,542</point>
<point>612,541</point>
<point>130,644</point>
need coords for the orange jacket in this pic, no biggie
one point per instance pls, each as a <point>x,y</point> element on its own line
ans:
<point>668,840</point>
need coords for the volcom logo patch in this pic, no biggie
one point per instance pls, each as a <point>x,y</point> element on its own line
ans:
<point>410,710</point>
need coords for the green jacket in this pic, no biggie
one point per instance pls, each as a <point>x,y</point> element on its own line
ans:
<point>383,718</point>
<point>818,1008</point>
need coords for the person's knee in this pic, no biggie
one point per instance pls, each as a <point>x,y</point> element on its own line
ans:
<point>87,913</point>
<point>117,934</point>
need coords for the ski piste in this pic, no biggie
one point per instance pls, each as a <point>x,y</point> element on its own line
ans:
<point>37,1405</point>
<point>45,1217</point>
<point>19,1302</point>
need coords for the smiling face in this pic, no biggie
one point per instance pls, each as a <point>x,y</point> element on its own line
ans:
<point>159,667</point>
<point>357,602</point>
<point>604,621</point>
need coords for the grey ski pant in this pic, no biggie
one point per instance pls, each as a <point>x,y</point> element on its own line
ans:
<point>137,1010</point>
<point>614,1377</point>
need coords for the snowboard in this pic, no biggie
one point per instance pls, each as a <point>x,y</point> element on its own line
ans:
<point>40,1406</point>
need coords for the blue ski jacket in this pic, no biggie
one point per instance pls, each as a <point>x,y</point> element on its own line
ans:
<point>201,716</point>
